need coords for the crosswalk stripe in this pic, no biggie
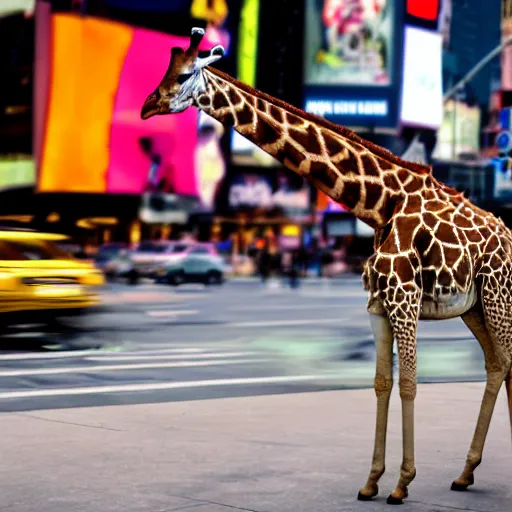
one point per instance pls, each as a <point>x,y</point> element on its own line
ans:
<point>126,388</point>
<point>121,367</point>
<point>204,355</point>
<point>173,312</point>
<point>47,355</point>
<point>64,354</point>
<point>283,323</point>
<point>281,307</point>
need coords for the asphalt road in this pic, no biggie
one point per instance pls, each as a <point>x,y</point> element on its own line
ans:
<point>155,343</point>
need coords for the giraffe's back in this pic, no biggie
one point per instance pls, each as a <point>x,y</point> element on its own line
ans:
<point>440,241</point>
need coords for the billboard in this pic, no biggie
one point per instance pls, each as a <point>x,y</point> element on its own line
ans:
<point>353,61</point>
<point>422,86</point>
<point>244,152</point>
<point>94,139</point>
<point>8,7</point>
<point>17,171</point>
<point>459,133</point>
<point>252,190</point>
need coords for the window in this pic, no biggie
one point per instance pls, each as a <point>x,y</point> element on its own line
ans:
<point>150,247</point>
<point>36,250</point>
<point>178,248</point>
<point>200,250</point>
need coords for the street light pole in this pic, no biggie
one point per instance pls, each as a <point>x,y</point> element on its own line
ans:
<point>477,68</point>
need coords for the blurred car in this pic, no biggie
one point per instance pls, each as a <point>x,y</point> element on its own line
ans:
<point>107,257</point>
<point>147,256</point>
<point>190,263</point>
<point>40,280</point>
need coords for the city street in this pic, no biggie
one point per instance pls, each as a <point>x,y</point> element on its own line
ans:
<point>125,414</point>
<point>156,343</point>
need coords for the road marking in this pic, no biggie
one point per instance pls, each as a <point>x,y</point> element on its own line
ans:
<point>79,353</point>
<point>212,355</point>
<point>277,307</point>
<point>47,355</point>
<point>124,388</point>
<point>283,323</point>
<point>173,312</point>
<point>120,367</point>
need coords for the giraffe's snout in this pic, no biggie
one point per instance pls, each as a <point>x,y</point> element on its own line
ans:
<point>151,106</point>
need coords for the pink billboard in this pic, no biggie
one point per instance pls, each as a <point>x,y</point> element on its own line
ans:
<point>104,146</point>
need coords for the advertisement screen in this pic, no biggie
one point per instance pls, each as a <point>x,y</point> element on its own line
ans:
<point>352,61</point>
<point>459,133</point>
<point>424,13</point>
<point>17,171</point>
<point>422,79</point>
<point>94,138</point>
<point>423,9</point>
<point>8,7</point>
<point>349,42</point>
<point>249,190</point>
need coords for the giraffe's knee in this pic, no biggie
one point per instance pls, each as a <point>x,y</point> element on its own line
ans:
<point>407,388</point>
<point>408,472</point>
<point>383,385</point>
<point>473,460</point>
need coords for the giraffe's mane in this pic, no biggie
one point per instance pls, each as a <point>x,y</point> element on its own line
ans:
<point>320,121</point>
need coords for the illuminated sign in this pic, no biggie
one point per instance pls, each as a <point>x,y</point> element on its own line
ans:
<point>422,94</point>
<point>8,7</point>
<point>105,147</point>
<point>348,107</point>
<point>459,133</point>
<point>248,42</point>
<point>352,66</point>
<point>424,13</point>
<point>424,9</point>
<point>17,172</point>
<point>255,191</point>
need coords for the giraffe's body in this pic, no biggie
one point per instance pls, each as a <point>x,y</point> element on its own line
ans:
<point>437,255</point>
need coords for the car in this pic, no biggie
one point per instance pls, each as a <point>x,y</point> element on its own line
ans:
<point>190,263</point>
<point>40,281</point>
<point>107,256</point>
<point>145,257</point>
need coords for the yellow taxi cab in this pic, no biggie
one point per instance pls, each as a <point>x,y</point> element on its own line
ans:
<point>37,276</point>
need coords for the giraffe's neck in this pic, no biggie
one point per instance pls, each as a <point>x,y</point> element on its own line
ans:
<point>366,179</point>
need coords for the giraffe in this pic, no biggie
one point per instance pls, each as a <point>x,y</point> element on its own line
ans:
<point>436,255</point>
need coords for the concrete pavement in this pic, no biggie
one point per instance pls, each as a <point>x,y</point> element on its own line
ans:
<point>306,452</point>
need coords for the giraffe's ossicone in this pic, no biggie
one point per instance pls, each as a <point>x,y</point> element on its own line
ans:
<point>436,254</point>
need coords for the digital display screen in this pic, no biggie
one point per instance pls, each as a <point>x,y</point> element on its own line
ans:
<point>94,138</point>
<point>422,79</point>
<point>352,65</point>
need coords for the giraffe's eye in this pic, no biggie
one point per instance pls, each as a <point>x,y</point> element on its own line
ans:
<point>184,77</point>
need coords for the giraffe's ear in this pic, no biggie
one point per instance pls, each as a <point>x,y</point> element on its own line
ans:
<point>212,56</point>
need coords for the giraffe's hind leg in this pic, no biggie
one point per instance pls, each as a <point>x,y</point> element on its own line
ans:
<point>488,333</point>
<point>508,385</point>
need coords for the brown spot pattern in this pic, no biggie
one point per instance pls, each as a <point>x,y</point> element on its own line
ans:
<point>265,132</point>
<point>323,173</point>
<point>369,166</point>
<point>220,101</point>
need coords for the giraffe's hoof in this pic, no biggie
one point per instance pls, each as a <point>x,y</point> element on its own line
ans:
<point>366,497</point>
<point>459,487</point>
<point>394,501</point>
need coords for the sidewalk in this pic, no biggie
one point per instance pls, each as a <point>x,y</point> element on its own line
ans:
<point>284,453</point>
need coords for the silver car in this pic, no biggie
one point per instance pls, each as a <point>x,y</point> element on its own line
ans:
<point>190,263</point>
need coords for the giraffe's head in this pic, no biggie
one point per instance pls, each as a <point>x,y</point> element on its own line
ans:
<point>183,80</point>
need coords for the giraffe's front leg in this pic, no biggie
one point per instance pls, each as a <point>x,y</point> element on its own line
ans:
<point>404,321</point>
<point>383,385</point>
